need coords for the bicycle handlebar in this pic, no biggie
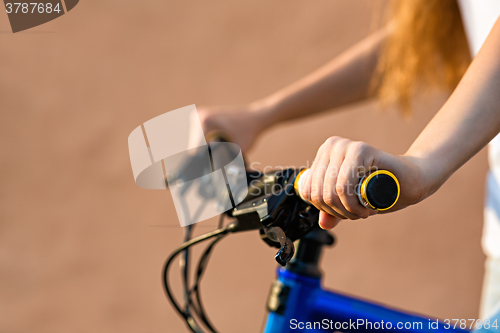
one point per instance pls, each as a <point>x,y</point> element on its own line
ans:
<point>273,205</point>
<point>284,216</point>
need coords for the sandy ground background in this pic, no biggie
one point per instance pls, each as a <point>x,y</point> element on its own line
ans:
<point>78,250</point>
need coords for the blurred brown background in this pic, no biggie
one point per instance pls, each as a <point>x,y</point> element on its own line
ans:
<point>78,250</point>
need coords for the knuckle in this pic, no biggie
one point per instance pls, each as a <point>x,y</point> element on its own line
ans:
<point>359,147</point>
<point>316,194</point>
<point>340,189</point>
<point>329,198</point>
<point>331,141</point>
<point>305,192</point>
<point>332,173</point>
<point>316,197</point>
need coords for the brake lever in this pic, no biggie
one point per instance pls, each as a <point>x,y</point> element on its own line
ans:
<point>281,216</point>
<point>287,248</point>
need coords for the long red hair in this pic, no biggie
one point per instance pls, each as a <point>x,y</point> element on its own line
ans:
<point>427,46</point>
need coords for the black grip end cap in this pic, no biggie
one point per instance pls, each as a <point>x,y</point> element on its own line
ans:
<point>382,191</point>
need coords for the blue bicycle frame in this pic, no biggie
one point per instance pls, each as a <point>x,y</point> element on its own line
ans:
<point>298,302</point>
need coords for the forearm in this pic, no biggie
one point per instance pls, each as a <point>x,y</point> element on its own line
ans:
<point>466,123</point>
<point>345,79</point>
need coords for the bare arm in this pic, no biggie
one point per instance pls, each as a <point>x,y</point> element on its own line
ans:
<point>468,120</point>
<point>345,79</point>
<point>462,127</point>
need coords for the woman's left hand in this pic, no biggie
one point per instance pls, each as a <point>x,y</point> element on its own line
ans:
<point>339,165</point>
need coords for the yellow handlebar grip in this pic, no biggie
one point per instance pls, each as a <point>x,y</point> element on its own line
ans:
<point>377,190</point>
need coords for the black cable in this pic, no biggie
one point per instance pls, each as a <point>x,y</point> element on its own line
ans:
<point>202,265</point>
<point>187,317</point>
<point>197,306</point>
<point>184,265</point>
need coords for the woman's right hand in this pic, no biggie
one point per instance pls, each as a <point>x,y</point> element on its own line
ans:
<point>241,123</point>
<point>330,185</point>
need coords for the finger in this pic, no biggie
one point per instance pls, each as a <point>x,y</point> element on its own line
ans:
<point>311,189</point>
<point>330,197</point>
<point>353,167</point>
<point>305,190</point>
<point>317,180</point>
<point>327,221</point>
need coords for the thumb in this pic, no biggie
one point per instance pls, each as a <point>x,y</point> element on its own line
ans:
<point>327,221</point>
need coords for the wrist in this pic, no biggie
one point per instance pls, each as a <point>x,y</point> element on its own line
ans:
<point>430,174</point>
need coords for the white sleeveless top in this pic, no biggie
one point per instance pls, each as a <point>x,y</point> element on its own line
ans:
<point>478,17</point>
